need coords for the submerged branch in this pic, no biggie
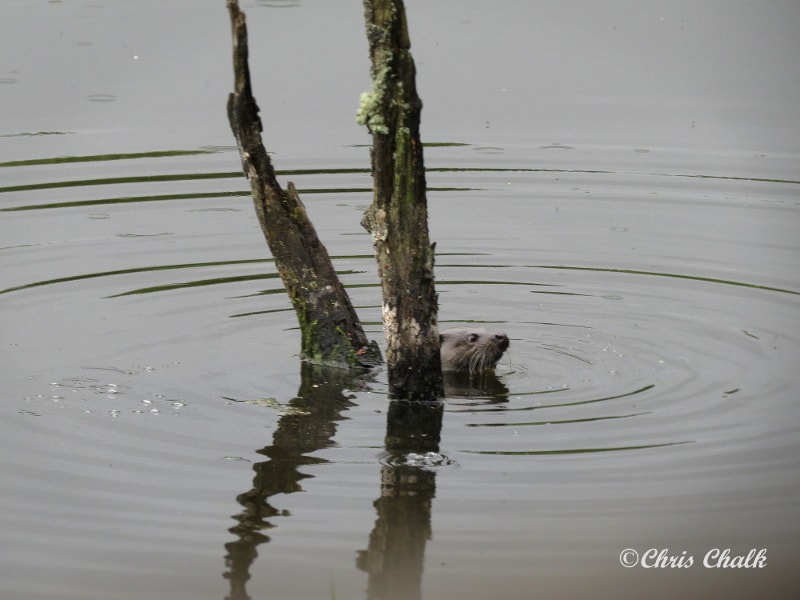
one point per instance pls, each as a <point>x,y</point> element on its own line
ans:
<point>398,217</point>
<point>331,331</point>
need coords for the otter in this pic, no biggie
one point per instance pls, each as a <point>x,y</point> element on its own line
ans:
<point>470,349</point>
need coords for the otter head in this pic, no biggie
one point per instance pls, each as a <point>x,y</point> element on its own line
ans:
<point>470,349</point>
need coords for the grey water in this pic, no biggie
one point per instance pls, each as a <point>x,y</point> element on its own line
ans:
<point>614,184</point>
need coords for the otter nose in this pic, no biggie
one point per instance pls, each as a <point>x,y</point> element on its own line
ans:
<point>502,340</point>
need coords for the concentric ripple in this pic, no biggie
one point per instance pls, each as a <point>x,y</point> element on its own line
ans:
<point>654,337</point>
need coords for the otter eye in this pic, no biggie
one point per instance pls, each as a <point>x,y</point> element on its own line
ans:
<point>473,337</point>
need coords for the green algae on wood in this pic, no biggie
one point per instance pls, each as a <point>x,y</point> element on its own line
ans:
<point>398,216</point>
<point>331,332</point>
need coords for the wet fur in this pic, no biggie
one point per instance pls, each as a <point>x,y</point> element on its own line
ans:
<point>471,349</point>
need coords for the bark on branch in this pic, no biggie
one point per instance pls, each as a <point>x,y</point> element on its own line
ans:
<point>398,217</point>
<point>331,331</point>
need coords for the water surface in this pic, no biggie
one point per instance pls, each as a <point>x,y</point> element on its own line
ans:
<point>615,185</point>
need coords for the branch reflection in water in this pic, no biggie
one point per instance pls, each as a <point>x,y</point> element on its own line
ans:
<point>395,554</point>
<point>310,426</point>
